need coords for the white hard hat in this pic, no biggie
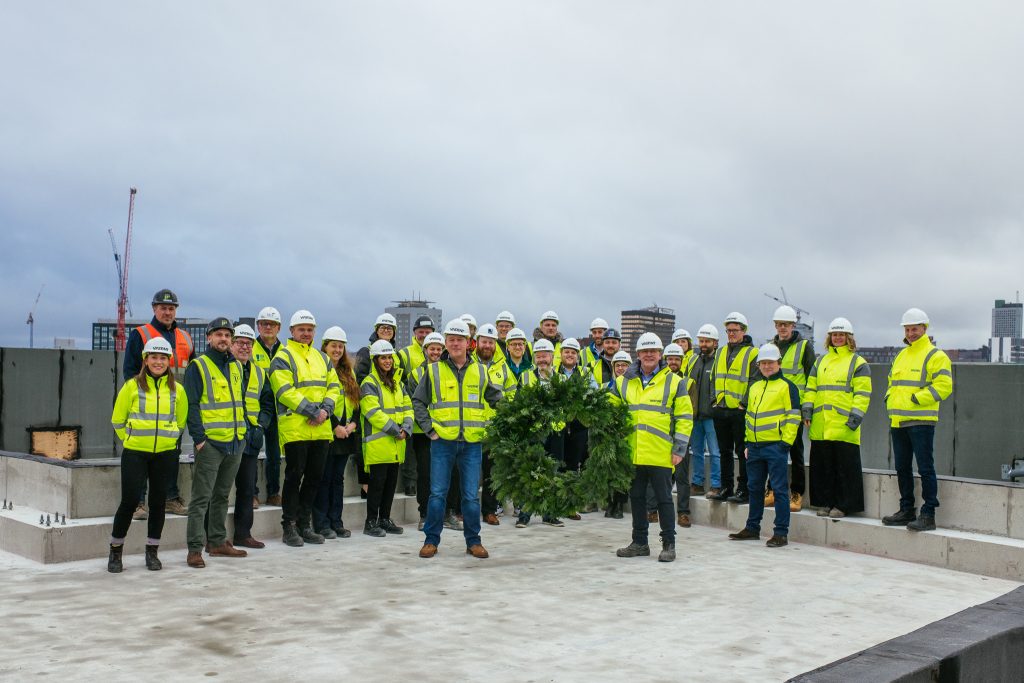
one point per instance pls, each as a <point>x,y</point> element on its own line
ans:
<point>599,324</point>
<point>543,345</point>
<point>737,318</point>
<point>302,317</point>
<point>433,338</point>
<point>708,331</point>
<point>335,334</point>
<point>621,357</point>
<point>915,316</point>
<point>381,348</point>
<point>457,327</point>
<point>648,340</point>
<point>841,325</point>
<point>487,330</point>
<point>269,313</point>
<point>505,317</point>
<point>681,334</point>
<point>515,333</point>
<point>549,315</point>
<point>674,350</point>
<point>784,314</point>
<point>468,319</point>
<point>386,319</point>
<point>157,345</point>
<point>571,343</point>
<point>245,332</point>
<point>768,352</point>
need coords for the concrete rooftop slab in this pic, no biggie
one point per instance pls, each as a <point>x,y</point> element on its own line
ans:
<point>550,605</point>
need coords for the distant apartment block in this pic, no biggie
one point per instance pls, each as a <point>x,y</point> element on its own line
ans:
<point>407,311</point>
<point>1007,341</point>
<point>660,321</point>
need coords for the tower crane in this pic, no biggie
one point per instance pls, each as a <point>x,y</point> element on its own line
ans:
<point>31,322</point>
<point>800,312</point>
<point>117,264</point>
<point>120,337</point>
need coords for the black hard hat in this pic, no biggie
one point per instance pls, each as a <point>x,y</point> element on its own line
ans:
<point>165,296</point>
<point>424,321</point>
<point>612,333</point>
<point>220,323</point>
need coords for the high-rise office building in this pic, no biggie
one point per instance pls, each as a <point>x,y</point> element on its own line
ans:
<point>406,312</point>
<point>104,330</point>
<point>660,321</point>
<point>1007,341</point>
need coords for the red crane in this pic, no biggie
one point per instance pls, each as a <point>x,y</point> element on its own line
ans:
<point>120,338</point>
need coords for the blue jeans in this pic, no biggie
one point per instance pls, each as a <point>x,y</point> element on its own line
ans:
<point>444,455</point>
<point>704,436</point>
<point>909,443</point>
<point>770,460</point>
<point>329,501</point>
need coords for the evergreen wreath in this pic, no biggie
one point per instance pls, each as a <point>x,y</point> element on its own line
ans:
<point>522,470</point>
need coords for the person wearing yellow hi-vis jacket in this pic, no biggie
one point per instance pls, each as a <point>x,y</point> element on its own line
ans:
<point>387,422</point>
<point>307,389</point>
<point>663,421</point>
<point>433,347</point>
<point>735,369</point>
<point>772,421</point>
<point>501,377</point>
<point>149,416</point>
<point>921,378</point>
<point>835,401</point>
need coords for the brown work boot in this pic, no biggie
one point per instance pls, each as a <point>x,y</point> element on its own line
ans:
<point>652,517</point>
<point>195,559</point>
<point>684,520</point>
<point>226,550</point>
<point>251,543</point>
<point>255,503</point>
<point>575,517</point>
<point>176,506</point>
<point>769,499</point>
<point>428,550</point>
<point>274,499</point>
<point>696,490</point>
<point>478,551</point>
<point>744,535</point>
<point>492,519</point>
<point>796,501</point>
<point>141,512</point>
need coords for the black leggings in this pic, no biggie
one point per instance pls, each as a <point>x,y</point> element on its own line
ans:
<point>383,480</point>
<point>138,467</point>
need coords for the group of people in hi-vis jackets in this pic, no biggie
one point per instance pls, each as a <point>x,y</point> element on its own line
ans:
<point>419,415</point>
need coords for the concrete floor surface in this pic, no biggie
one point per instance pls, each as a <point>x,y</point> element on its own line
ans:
<point>549,605</point>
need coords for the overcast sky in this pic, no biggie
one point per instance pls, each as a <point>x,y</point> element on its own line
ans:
<point>581,156</point>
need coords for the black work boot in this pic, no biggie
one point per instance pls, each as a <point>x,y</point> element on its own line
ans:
<point>153,563</point>
<point>922,523</point>
<point>390,527</point>
<point>310,536</point>
<point>634,549</point>
<point>900,518</point>
<point>114,561</point>
<point>668,551</point>
<point>291,536</point>
<point>372,528</point>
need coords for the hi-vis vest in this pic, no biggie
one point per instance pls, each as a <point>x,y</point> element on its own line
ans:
<point>920,378</point>
<point>252,393</point>
<point>458,408</point>
<point>222,404</point>
<point>688,360</point>
<point>502,378</point>
<point>261,355</point>
<point>150,421</point>
<point>662,416</point>
<point>771,414</point>
<point>382,412</point>
<point>839,386</point>
<point>182,343</point>
<point>792,365</point>
<point>411,357</point>
<point>301,375</point>
<point>731,379</point>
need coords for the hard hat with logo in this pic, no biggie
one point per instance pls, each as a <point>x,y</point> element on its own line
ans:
<point>487,330</point>
<point>681,334</point>
<point>157,345</point>
<point>768,352</point>
<point>505,317</point>
<point>381,348</point>
<point>621,357</point>
<point>433,338</point>
<point>612,333</point>
<point>571,343</point>
<point>840,325</point>
<point>245,332</point>
<point>674,350</point>
<point>648,340</point>
<point>549,315</point>
<point>599,324</point>
<point>219,323</point>
<point>542,345</point>
<point>269,313</point>
<point>515,333</point>
<point>457,327</point>
<point>708,331</point>
<point>736,317</point>
<point>423,321</point>
<point>784,314</point>
<point>468,319</point>
<point>302,317</point>
<point>385,319</point>
<point>165,296</point>
<point>915,316</point>
<point>335,333</point>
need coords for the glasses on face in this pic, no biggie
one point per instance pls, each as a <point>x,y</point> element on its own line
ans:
<point>734,330</point>
<point>243,343</point>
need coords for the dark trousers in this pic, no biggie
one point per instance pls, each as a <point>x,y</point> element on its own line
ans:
<point>170,483</point>
<point>138,467</point>
<point>836,477</point>
<point>909,443</point>
<point>381,494</point>
<point>797,472</point>
<point>681,476</point>
<point>575,447</point>
<point>303,469</point>
<point>409,469</point>
<point>421,451</point>
<point>272,463</point>
<point>245,489</point>
<point>729,430</point>
<point>488,499</point>
<point>660,479</point>
<point>330,495</point>
<point>361,475</point>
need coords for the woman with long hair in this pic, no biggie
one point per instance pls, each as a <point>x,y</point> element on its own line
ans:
<point>836,399</point>
<point>329,502</point>
<point>386,410</point>
<point>149,413</point>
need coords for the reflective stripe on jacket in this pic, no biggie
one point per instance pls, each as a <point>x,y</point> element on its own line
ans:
<point>152,420</point>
